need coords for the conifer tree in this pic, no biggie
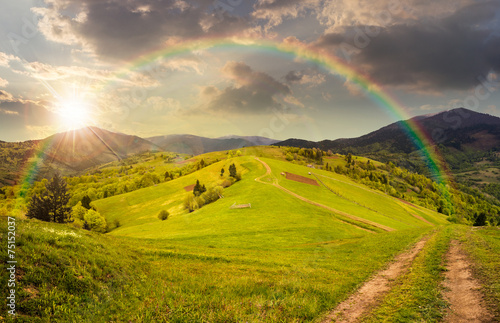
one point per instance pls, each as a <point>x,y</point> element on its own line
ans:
<point>52,204</point>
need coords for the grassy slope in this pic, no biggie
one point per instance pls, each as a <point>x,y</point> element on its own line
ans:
<point>281,260</point>
<point>68,273</point>
<point>362,203</point>
<point>71,275</point>
<point>269,222</point>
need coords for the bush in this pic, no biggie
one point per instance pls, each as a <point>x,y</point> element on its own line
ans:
<point>200,200</point>
<point>163,215</point>
<point>94,221</point>
<point>210,195</point>
<point>226,183</point>
<point>78,212</point>
<point>190,203</point>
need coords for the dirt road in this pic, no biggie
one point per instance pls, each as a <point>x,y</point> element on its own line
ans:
<point>463,290</point>
<point>370,294</point>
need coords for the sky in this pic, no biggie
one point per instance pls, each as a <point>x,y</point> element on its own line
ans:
<point>214,67</point>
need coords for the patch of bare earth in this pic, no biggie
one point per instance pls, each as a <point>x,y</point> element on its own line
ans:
<point>371,293</point>
<point>463,291</point>
<point>301,179</point>
<point>189,188</point>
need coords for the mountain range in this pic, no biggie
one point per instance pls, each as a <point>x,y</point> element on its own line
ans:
<point>458,132</point>
<point>462,137</point>
<point>195,145</point>
<point>459,128</point>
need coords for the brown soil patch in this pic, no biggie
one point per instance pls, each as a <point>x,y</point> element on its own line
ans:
<point>463,290</point>
<point>301,179</point>
<point>370,294</point>
<point>189,188</point>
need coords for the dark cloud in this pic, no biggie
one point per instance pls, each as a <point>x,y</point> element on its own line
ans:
<point>125,29</point>
<point>293,77</point>
<point>253,92</point>
<point>450,53</point>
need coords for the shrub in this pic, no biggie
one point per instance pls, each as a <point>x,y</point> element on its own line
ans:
<point>190,203</point>
<point>163,215</point>
<point>227,183</point>
<point>78,211</point>
<point>200,200</point>
<point>94,221</point>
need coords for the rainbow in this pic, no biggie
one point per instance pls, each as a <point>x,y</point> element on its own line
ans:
<point>292,50</point>
<point>297,50</point>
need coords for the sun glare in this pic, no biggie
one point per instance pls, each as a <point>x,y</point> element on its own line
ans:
<point>73,114</point>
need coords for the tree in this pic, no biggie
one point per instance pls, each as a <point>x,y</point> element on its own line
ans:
<point>222,172</point>
<point>163,215</point>
<point>232,170</point>
<point>86,202</point>
<point>51,205</point>
<point>197,188</point>
<point>348,158</point>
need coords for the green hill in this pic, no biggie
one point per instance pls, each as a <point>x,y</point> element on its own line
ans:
<point>297,252</point>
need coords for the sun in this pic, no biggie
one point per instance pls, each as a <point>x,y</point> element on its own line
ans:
<point>73,114</point>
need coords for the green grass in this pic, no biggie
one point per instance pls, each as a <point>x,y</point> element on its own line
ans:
<point>416,296</point>
<point>71,275</point>
<point>269,223</point>
<point>351,199</point>
<point>282,260</point>
<point>483,245</point>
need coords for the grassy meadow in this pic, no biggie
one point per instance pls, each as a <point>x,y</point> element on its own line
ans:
<point>282,260</point>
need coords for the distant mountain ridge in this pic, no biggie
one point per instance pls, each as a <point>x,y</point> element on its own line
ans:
<point>195,145</point>
<point>91,146</point>
<point>456,132</point>
<point>76,150</point>
<point>460,129</point>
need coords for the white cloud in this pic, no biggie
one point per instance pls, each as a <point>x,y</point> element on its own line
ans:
<point>5,59</point>
<point>275,11</point>
<point>9,112</point>
<point>335,15</point>
<point>3,82</point>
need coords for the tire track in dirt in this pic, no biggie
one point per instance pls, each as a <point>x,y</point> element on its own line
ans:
<point>463,291</point>
<point>347,215</point>
<point>371,293</point>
